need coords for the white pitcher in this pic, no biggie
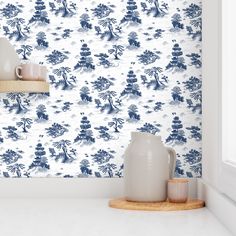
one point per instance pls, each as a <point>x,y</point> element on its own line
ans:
<point>8,60</point>
<point>147,168</point>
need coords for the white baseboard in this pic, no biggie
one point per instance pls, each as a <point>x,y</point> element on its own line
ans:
<point>69,188</point>
<point>219,204</point>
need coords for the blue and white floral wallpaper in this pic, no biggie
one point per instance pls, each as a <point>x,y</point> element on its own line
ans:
<point>114,67</point>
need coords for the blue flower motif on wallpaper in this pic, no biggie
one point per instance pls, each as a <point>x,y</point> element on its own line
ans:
<point>114,67</point>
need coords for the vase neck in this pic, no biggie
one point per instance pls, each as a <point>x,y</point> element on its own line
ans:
<point>145,137</point>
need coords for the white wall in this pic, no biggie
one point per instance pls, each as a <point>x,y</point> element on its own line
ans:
<point>209,188</point>
<point>211,86</point>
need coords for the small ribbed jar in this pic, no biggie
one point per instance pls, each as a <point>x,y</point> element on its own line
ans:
<point>178,190</point>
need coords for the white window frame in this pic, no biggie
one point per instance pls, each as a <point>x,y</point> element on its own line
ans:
<point>227,169</point>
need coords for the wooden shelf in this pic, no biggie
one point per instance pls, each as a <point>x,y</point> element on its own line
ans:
<point>10,86</point>
<point>121,203</point>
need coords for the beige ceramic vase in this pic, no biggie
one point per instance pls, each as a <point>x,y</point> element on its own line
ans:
<point>148,166</point>
<point>8,60</point>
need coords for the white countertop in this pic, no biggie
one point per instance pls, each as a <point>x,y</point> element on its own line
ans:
<point>93,217</point>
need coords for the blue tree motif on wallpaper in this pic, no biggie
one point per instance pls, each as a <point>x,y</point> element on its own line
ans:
<point>102,83</point>
<point>194,13</point>
<point>66,106</point>
<point>108,25</point>
<point>102,157</point>
<point>66,33</point>
<point>178,168</point>
<point>98,103</point>
<point>64,9</point>
<point>85,167</point>
<point>117,124</point>
<point>176,20</point>
<point>85,135</point>
<point>156,9</point>
<point>41,113</point>
<point>85,21</point>
<point>197,169</point>
<point>66,156</point>
<point>119,172</point>
<point>56,130</point>
<point>37,96</point>
<point>195,60</point>
<point>42,42</point>
<point>86,62</point>
<point>11,133</point>
<point>193,158</point>
<point>109,106</point>
<point>158,106</point>
<point>132,88</point>
<point>10,156</point>
<point>177,95</point>
<point>97,174</point>
<point>17,104</point>
<point>18,33</point>
<point>10,10</point>
<point>132,15</point>
<point>159,81</point>
<point>5,174</point>
<point>144,79</point>
<point>1,139</point>
<point>117,50</point>
<point>133,113</point>
<point>195,103</point>
<point>177,135</point>
<point>103,60</point>
<point>40,162</point>
<point>25,50</point>
<point>102,10</point>
<point>56,57</point>
<point>84,95</point>
<point>40,15</point>
<point>25,123</point>
<point>103,133</point>
<point>194,86</point>
<point>150,128</point>
<point>66,83</point>
<point>98,30</point>
<point>16,169</point>
<point>195,133</point>
<point>148,57</point>
<point>158,33</point>
<point>108,168</point>
<point>177,63</point>
<point>133,40</point>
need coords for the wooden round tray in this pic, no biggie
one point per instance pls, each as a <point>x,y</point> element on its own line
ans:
<point>11,86</point>
<point>121,203</point>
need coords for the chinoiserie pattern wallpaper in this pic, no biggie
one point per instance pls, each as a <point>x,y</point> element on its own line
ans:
<point>114,67</point>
